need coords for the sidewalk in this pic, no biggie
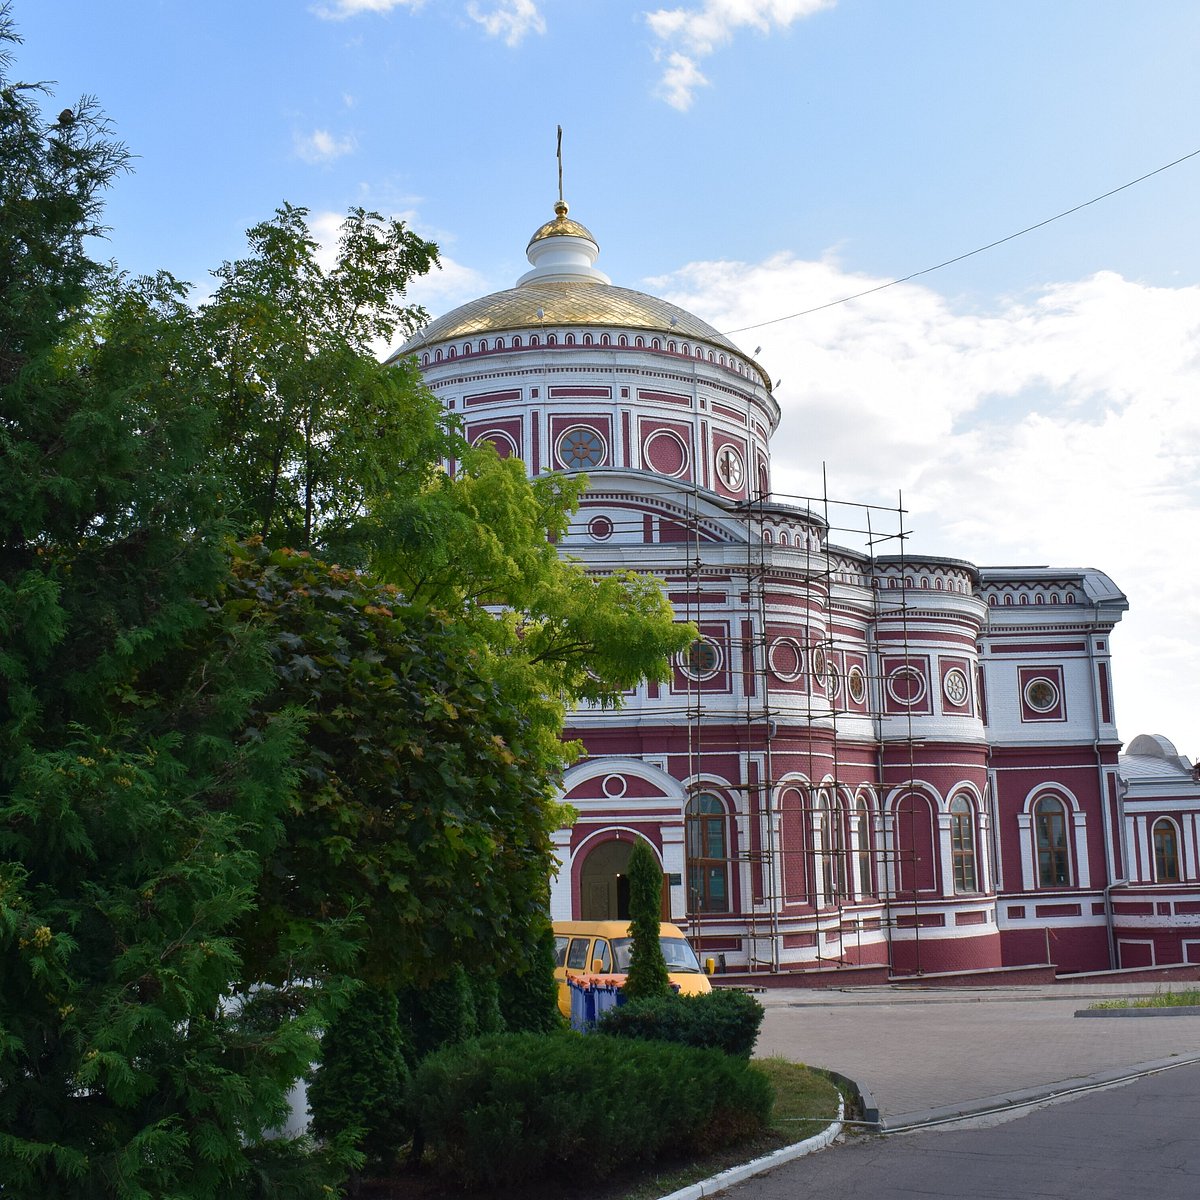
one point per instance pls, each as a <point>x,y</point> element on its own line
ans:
<point>925,1053</point>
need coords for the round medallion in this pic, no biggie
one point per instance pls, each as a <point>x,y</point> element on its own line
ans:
<point>730,469</point>
<point>906,685</point>
<point>786,659</point>
<point>600,529</point>
<point>955,687</point>
<point>614,786</point>
<point>665,453</point>
<point>580,447</point>
<point>856,684</point>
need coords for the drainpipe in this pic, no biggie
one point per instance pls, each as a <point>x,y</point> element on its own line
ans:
<point>1105,812</point>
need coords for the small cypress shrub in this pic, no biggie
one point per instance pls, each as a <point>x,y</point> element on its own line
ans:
<point>437,1014</point>
<point>721,1020</point>
<point>500,1110</point>
<point>359,1089</point>
<point>485,1000</point>
<point>647,968</point>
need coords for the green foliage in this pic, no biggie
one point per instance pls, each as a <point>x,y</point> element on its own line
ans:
<point>311,430</point>
<point>498,1111</point>
<point>721,1020</point>
<point>529,991</point>
<point>359,1089</point>
<point>419,797</point>
<point>235,779</point>
<point>52,178</point>
<point>436,1014</point>
<point>647,968</point>
<point>482,543</point>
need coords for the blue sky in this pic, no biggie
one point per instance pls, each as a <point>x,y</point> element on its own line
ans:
<point>749,159</point>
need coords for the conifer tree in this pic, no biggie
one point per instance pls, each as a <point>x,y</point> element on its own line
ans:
<point>647,968</point>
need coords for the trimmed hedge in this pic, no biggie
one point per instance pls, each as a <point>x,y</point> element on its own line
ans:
<point>502,1109</point>
<point>720,1020</point>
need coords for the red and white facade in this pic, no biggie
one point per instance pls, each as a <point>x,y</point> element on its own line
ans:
<point>901,763</point>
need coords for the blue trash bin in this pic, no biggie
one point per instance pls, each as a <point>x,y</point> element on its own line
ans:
<point>608,996</point>
<point>583,1006</point>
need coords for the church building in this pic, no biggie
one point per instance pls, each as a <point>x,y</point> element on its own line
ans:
<point>868,765</point>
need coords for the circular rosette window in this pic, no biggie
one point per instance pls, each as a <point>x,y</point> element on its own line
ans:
<point>955,687</point>
<point>580,447</point>
<point>701,660</point>
<point>1041,694</point>
<point>856,684</point>
<point>731,471</point>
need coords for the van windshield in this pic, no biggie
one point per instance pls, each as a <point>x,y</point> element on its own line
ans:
<point>680,958</point>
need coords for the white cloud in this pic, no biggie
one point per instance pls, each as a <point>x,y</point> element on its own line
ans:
<point>696,32</point>
<point>1060,428</point>
<point>680,79</point>
<point>321,146</point>
<point>509,19</point>
<point>340,9</point>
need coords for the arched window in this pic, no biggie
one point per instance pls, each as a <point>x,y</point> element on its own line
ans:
<point>1050,830</point>
<point>863,830</point>
<point>707,855</point>
<point>962,845</point>
<point>1166,852</point>
<point>833,860</point>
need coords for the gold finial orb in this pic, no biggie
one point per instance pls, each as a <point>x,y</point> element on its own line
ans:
<point>560,209</point>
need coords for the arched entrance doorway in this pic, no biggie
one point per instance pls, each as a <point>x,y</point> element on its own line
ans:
<point>604,882</point>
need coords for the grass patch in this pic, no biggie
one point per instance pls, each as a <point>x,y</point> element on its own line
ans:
<point>1168,999</point>
<point>805,1103</point>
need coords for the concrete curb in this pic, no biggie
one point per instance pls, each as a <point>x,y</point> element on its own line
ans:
<point>1028,1097</point>
<point>726,1179</point>
<point>1178,1010</point>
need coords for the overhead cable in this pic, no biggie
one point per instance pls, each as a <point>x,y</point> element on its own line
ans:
<point>969,254</point>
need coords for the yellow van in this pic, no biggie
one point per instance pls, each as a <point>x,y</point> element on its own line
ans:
<point>604,947</point>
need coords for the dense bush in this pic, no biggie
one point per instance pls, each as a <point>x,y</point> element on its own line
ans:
<point>721,1020</point>
<point>498,1110</point>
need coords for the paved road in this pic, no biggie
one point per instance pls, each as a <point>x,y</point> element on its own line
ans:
<point>1140,1139</point>
<point>919,1052</point>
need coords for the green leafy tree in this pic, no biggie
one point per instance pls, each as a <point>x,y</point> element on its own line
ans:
<point>311,430</point>
<point>647,967</point>
<point>235,779</point>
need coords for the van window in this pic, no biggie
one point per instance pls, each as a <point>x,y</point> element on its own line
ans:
<point>560,950</point>
<point>602,952</point>
<point>577,956</point>
<point>679,956</point>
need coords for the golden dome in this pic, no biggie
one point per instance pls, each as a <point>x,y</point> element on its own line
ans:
<point>563,226</point>
<point>567,302</point>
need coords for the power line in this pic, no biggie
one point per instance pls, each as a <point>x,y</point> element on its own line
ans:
<point>969,254</point>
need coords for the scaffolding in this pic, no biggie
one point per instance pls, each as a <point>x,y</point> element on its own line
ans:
<point>810,845</point>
